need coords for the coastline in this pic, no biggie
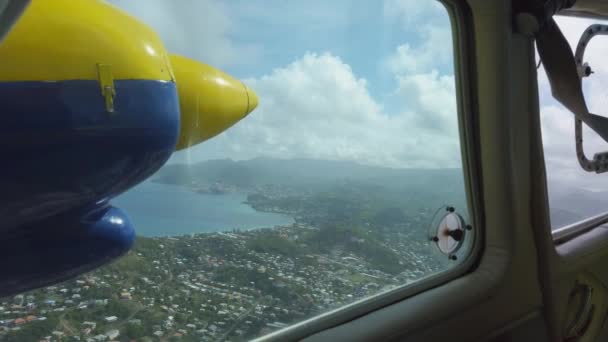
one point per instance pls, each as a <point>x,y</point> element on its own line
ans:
<point>160,210</point>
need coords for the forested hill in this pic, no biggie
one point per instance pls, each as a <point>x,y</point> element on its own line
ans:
<point>307,172</point>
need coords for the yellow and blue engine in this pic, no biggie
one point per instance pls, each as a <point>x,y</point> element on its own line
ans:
<point>91,104</point>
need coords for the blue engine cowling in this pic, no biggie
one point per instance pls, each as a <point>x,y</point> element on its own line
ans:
<point>64,157</point>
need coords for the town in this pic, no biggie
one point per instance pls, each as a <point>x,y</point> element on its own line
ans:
<point>237,288</point>
<point>346,244</point>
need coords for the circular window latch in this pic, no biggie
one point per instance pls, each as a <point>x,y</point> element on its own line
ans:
<point>449,231</point>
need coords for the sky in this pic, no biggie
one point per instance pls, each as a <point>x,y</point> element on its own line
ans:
<point>367,81</point>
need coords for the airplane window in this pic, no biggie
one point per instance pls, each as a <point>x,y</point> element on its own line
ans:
<point>575,194</point>
<point>332,190</point>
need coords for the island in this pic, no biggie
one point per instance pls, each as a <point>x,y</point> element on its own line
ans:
<point>358,231</point>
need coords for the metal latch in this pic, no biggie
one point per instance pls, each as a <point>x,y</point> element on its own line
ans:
<point>106,81</point>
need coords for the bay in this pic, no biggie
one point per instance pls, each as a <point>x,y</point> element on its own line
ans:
<point>167,210</point>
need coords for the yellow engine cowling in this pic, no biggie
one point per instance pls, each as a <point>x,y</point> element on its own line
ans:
<point>210,100</point>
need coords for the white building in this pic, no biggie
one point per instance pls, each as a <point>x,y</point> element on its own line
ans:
<point>112,334</point>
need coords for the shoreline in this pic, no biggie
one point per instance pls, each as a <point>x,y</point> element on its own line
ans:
<point>220,232</point>
<point>183,218</point>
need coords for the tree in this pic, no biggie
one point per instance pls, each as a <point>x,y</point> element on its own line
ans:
<point>135,331</point>
<point>33,331</point>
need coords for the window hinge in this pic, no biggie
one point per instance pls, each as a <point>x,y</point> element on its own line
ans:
<point>106,82</point>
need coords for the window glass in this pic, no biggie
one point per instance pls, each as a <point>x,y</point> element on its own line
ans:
<point>327,193</point>
<point>575,194</point>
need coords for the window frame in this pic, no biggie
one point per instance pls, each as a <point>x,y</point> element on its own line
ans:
<point>468,127</point>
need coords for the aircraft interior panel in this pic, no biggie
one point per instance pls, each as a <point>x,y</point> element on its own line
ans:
<point>582,292</point>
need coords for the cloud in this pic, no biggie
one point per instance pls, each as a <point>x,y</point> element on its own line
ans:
<point>430,39</point>
<point>313,105</point>
<point>316,107</point>
<point>431,99</point>
<point>435,52</point>
<point>413,13</point>
<point>199,29</point>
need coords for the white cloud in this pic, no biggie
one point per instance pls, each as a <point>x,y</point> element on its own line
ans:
<point>431,100</point>
<point>412,13</point>
<point>435,52</point>
<point>199,29</point>
<point>317,108</point>
<point>430,41</point>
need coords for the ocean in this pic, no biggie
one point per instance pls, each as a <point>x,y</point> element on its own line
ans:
<point>167,210</point>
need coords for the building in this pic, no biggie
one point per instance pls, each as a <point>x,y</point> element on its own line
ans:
<point>111,319</point>
<point>112,334</point>
<point>19,299</point>
<point>89,324</point>
<point>100,338</point>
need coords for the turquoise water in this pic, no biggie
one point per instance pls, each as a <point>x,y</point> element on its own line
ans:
<point>163,210</point>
